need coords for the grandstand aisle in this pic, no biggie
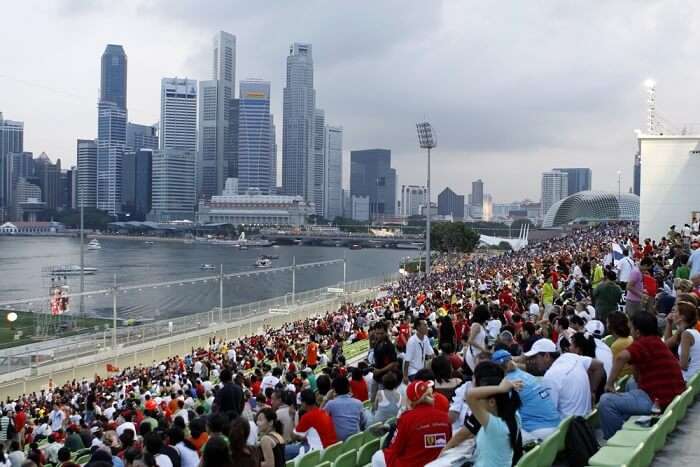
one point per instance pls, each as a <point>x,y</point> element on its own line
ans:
<point>681,446</point>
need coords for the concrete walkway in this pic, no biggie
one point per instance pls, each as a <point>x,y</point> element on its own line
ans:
<point>682,444</point>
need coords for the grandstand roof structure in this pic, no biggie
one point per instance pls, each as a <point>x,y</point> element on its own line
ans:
<point>593,206</point>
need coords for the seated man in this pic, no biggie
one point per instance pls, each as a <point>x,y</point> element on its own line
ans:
<point>538,414</point>
<point>659,376</point>
<point>570,378</point>
<point>315,427</point>
<point>346,412</point>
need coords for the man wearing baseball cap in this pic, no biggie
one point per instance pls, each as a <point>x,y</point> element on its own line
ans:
<point>421,432</point>
<point>570,378</point>
<point>538,413</point>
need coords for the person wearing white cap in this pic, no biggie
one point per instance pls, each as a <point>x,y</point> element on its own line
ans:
<point>603,352</point>
<point>570,378</point>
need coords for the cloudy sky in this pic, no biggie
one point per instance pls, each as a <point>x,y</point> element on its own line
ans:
<point>513,88</point>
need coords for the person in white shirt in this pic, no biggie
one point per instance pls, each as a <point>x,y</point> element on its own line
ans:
<point>570,378</point>
<point>56,418</point>
<point>271,379</point>
<point>624,267</point>
<point>418,351</point>
<point>534,309</point>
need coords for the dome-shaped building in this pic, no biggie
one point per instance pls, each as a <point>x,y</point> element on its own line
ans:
<point>593,206</point>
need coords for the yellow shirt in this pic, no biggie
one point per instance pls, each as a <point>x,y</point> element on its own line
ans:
<point>620,344</point>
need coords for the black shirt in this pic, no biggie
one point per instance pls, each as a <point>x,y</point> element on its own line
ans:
<point>384,354</point>
<point>229,399</point>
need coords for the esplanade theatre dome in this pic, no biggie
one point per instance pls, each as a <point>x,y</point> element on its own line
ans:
<point>593,206</point>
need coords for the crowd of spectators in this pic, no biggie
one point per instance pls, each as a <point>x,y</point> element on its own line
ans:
<point>488,353</point>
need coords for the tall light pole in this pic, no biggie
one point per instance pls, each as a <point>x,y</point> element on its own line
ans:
<point>82,247</point>
<point>427,140</point>
<point>619,185</point>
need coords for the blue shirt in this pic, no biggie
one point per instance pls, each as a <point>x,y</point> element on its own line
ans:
<point>694,263</point>
<point>537,409</point>
<point>347,414</point>
<point>493,447</point>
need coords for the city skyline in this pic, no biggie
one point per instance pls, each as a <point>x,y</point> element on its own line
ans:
<point>565,115</point>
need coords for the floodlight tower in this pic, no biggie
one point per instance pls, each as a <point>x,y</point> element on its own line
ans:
<point>427,140</point>
<point>652,125</point>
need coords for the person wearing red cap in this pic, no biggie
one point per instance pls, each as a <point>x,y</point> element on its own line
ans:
<point>421,432</point>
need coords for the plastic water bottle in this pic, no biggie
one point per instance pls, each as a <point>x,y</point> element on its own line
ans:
<point>656,409</point>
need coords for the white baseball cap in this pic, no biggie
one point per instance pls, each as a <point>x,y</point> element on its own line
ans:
<point>595,327</point>
<point>541,346</point>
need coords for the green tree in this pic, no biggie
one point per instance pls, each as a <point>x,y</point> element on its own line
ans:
<point>350,225</point>
<point>453,237</point>
<point>505,246</point>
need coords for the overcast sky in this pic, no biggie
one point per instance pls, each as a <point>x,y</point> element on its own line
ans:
<point>513,88</point>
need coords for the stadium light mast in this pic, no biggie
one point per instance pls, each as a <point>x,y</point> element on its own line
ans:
<point>652,125</point>
<point>427,140</point>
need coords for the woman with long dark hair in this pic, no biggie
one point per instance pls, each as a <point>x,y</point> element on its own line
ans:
<point>272,440</point>
<point>494,403</point>
<point>477,336</point>
<point>246,456</point>
<point>216,453</point>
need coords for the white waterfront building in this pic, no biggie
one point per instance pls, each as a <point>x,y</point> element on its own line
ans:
<point>253,207</point>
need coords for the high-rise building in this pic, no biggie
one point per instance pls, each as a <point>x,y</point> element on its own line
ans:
<point>412,198</point>
<point>17,165</point>
<point>48,176</point>
<point>477,197</point>
<point>11,141</point>
<point>298,123</point>
<point>141,136</point>
<point>317,167</point>
<point>178,114</point>
<point>555,187</point>
<point>111,128</point>
<point>256,149</point>
<point>217,139</point>
<point>86,190</point>
<point>136,185</point>
<point>173,195</point>
<point>68,188</point>
<point>333,164</point>
<point>451,204</point>
<point>637,180</point>
<point>371,175</point>
<point>578,179</point>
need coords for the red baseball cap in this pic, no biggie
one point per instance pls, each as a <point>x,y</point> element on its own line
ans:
<point>417,389</point>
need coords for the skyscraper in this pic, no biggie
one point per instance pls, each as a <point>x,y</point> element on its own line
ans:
<point>178,114</point>
<point>317,168</point>
<point>111,128</point>
<point>298,123</point>
<point>86,191</point>
<point>451,204</point>
<point>217,141</point>
<point>136,183</point>
<point>371,175</point>
<point>173,191</point>
<point>578,179</point>
<point>141,136</point>
<point>256,151</point>
<point>11,141</point>
<point>477,198</point>
<point>17,165</point>
<point>333,164</point>
<point>412,198</point>
<point>48,176</point>
<point>555,187</point>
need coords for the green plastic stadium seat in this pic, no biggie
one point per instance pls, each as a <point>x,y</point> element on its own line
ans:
<point>367,404</point>
<point>354,441</point>
<point>331,453</point>
<point>310,459</point>
<point>530,459</point>
<point>364,456</point>
<point>290,463</point>
<point>615,456</point>
<point>325,464</point>
<point>593,419</point>
<point>548,449</point>
<point>371,432</point>
<point>348,459</point>
<point>564,429</point>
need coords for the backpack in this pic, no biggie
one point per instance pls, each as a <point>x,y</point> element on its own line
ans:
<point>581,443</point>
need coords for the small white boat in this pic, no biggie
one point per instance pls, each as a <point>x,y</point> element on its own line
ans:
<point>263,263</point>
<point>207,267</point>
<point>149,242</point>
<point>243,247</point>
<point>94,245</point>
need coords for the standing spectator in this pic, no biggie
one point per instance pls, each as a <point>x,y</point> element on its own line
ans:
<point>635,290</point>
<point>606,297</point>
<point>229,398</point>
<point>476,342</point>
<point>658,377</point>
<point>384,354</point>
<point>418,350</point>
<point>346,412</point>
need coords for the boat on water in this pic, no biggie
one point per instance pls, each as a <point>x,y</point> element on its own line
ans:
<point>243,247</point>
<point>270,256</point>
<point>94,245</point>
<point>241,242</point>
<point>71,270</point>
<point>356,247</point>
<point>149,242</point>
<point>207,267</point>
<point>263,262</point>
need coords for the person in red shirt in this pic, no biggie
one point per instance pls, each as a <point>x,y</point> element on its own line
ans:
<point>657,372</point>
<point>312,353</point>
<point>358,385</point>
<point>315,428</point>
<point>421,432</point>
